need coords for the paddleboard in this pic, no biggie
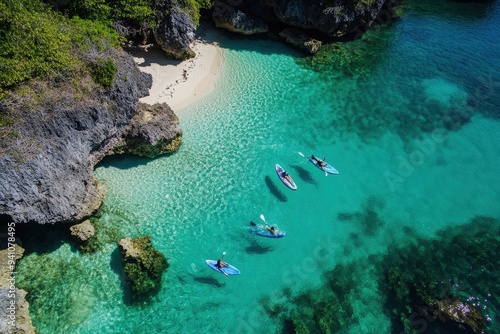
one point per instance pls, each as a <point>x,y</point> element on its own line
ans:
<point>286,181</point>
<point>230,270</point>
<point>328,168</point>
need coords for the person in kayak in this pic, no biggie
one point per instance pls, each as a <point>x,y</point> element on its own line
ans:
<point>220,264</point>
<point>271,229</point>
<point>321,163</point>
<point>286,176</point>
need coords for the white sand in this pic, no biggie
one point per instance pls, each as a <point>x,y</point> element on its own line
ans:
<point>181,83</point>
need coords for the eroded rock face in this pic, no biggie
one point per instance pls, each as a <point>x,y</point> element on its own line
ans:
<point>47,171</point>
<point>143,266</point>
<point>300,40</point>
<point>330,18</point>
<point>14,312</point>
<point>153,131</point>
<point>175,31</point>
<point>232,19</point>
<point>83,231</point>
<point>22,322</point>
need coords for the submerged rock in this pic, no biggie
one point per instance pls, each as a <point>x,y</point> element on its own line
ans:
<point>143,265</point>
<point>465,316</point>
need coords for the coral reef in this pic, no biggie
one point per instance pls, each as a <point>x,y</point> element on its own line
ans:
<point>442,285</point>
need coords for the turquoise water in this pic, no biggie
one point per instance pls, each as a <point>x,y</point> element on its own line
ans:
<point>414,133</point>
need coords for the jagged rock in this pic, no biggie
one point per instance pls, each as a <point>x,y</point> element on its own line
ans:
<point>83,231</point>
<point>333,18</point>
<point>175,31</point>
<point>15,317</point>
<point>129,249</point>
<point>47,169</point>
<point>234,20</point>
<point>153,131</point>
<point>453,310</point>
<point>8,258</point>
<point>300,40</point>
<point>14,312</point>
<point>143,266</point>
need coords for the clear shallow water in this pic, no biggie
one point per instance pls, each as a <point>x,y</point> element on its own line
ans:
<point>415,136</point>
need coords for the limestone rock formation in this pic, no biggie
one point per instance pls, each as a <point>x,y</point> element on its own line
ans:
<point>175,31</point>
<point>232,19</point>
<point>83,231</point>
<point>15,317</point>
<point>14,312</point>
<point>47,168</point>
<point>153,131</point>
<point>300,40</point>
<point>327,18</point>
<point>143,265</point>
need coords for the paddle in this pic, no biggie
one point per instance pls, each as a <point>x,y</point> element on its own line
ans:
<point>264,220</point>
<point>326,174</point>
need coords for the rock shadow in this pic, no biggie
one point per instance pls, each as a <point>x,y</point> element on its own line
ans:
<point>273,189</point>
<point>44,238</point>
<point>123,161</point>
<point>116,264</point>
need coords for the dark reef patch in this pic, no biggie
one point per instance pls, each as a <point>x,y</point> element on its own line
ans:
<point>368,217</point>
<point>443,285</point>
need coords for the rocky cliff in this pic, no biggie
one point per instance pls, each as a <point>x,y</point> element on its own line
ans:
<point>47,158</point>
<point>331,18</point>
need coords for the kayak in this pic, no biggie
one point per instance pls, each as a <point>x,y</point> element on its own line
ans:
<point>261,231</point>
<point>328,168</point>
<point>230,270</point>
<point>286,181</point>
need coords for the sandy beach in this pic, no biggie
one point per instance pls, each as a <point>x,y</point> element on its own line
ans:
<point>181,83</point>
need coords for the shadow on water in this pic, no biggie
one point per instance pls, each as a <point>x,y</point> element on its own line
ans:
<point>256,248</point>
<point>116,264</point>
<point>304,174</point>
<point>44,238</point>
<point>209,280</point>
<point>274,190</point>
<point>123,161</point>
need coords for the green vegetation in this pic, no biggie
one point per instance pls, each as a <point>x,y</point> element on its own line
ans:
<point>36,42</point>
<point>104,72</point>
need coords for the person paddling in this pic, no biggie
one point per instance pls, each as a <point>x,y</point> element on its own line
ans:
<point>321,163</point>
<point>271,229</point>
<point>221,264</point>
